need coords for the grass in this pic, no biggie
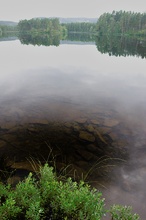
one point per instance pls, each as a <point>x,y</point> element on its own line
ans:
<point>48,197</point>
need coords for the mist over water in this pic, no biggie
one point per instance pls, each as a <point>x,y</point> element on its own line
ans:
<point>72,81</point>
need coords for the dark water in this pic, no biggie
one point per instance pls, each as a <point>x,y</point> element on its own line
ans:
<point>80,107</point>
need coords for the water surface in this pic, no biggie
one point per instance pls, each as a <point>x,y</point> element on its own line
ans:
<point>50,94</point>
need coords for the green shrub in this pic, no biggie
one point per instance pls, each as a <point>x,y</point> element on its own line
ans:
<point>8,207</point>
<point>27,196</point>
<point>50,198</point>
<point>77,201</point>
<point>69,200</point>
<point>119,212</point>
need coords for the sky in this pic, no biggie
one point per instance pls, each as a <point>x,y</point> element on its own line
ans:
<point>26,9</point>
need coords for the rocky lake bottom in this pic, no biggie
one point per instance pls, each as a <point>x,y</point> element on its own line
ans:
<point>80,141</point>
<point>89,143</point>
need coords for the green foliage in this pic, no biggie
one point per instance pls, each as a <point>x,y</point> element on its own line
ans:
<point>43,31</point>
<point>70,200</point>
<point>79,202</point>
<point>121,22</point>
<point>6,28</point>
<point>9,210</point>
<point>8,206</point>
<point>27,196</point>
<point>52,27</point>
<point>47,197</point>
<point>122,213</point>
<point>44,25</point>
<point>81,27</point>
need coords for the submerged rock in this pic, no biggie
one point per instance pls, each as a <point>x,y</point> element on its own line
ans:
<point>86,136</point>
<point>8,125</point>
<point>109,122</point>
<point>100,136</point>
<point>95,122</point>
<point>38,121</point>
<point>85,154</point>
<point>113,136</point>
<point>81,120</point>
<point>68,124</point>
<point>92,148</point>
<point>89,128</point>
<point>76,127</point>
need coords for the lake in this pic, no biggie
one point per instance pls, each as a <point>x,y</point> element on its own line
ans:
<point>80,104</point>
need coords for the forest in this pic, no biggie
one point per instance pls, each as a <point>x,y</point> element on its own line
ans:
<point>122,22</point>
<point>115,23</point>
<point>45,25</point>
<point>52,25</point>
<point>80,27</point>
<point>6,28</point>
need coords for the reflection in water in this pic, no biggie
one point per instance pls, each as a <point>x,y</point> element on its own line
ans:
<point>86,106</point>
<point>82,37</point>
<point>39,38</point>
<point>121,45</point>
<point>8,36</point>
<point>113,45</point>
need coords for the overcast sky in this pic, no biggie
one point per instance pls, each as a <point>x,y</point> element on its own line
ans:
<point>15,10</point>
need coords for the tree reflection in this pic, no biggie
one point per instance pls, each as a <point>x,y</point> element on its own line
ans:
<point>121,45</point>
<point>39,38</point>
<point>83,37</point>
<point>112,45</point>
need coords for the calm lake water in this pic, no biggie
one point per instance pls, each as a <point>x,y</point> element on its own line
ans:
<point>72,98</point>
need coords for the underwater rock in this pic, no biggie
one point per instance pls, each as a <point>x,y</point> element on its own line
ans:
<point>7,125</point>
<point>85,154</point>
<point>113,136</point>
<point>95,122</point>
<point>76,127</point>
<point>81,120</point>
<point>109,122</point>
<point>86,136</point>
<point>89,128</point>
<point>38,121</point>
<point>100,136</point>
<point>68,124</point>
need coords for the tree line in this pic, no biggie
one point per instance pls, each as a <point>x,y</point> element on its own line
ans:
<point>79,27</point>
<point>45,25</point>
<point>6,28</point>
<point>122,22</point>
<point>117,22</point>
<point>52,25</point>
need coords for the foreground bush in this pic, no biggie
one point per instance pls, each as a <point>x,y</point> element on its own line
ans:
<point>50,198</point>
